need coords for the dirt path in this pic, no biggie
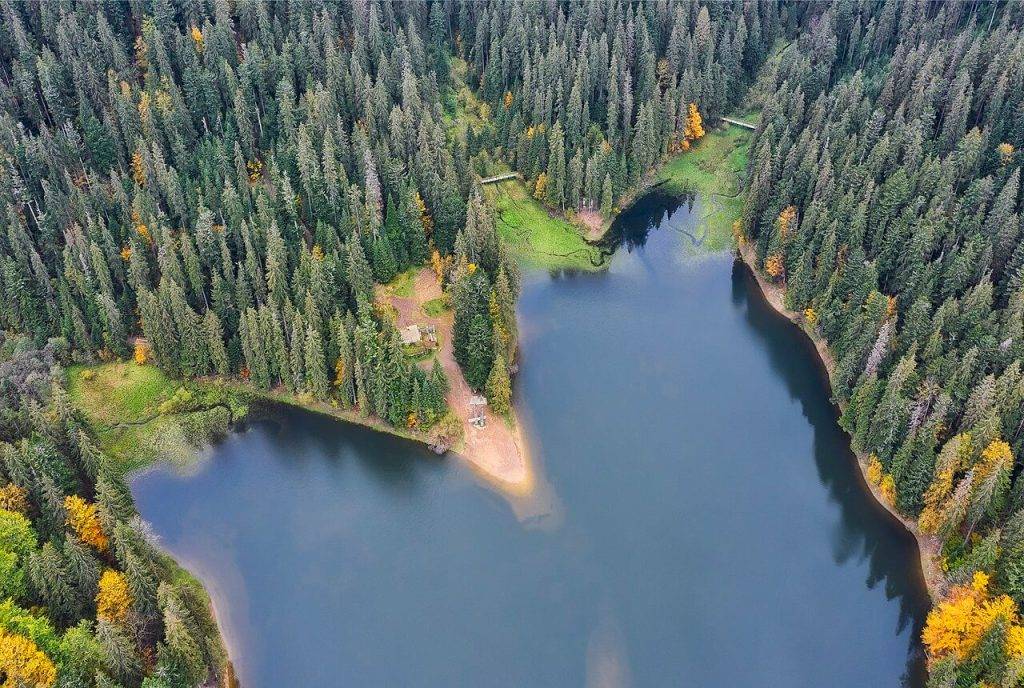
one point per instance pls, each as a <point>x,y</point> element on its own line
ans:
<point>496,451</point>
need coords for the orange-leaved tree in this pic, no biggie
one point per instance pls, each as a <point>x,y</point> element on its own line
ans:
<point>84,519</point>
<point>14,498</point>
<point>694,127</point>
<point>957,625</point>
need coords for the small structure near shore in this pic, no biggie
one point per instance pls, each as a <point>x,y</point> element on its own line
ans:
<point>410,335</point>
<point>477,417</point>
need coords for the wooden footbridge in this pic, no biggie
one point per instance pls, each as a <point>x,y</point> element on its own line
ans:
<point>738,123</point>
<point>500,178</point>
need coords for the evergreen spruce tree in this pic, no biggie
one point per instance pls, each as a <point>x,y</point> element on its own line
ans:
<point>316,368</point>
<point>499,387</point>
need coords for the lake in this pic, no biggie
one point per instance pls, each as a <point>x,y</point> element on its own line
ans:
<point>701,520</point>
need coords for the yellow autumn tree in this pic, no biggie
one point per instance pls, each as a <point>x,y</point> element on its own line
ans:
<point>114,599</point>
<point>508,99</point>
<point>887,488</point>
<point>439,265</point>
<point>995,456</point>
<point>84,519</point>
<point>1015,641</point>
<point>138,171</point>
<point>957,625</point>
<point>13,498</point>
<point>141,354</point>
<point>738,235</point>
<point>773,266</point>
<point>785,221</point>
<point>540,185</point>
<point>197,38</point>
<point>810,317</point>
<point>693,129</point>
<point>953,456</point>
<point>1005,152</point>
<point>874,471</point>
<point>255,168</point>
<point>694,124</point>
<point>23,664</point>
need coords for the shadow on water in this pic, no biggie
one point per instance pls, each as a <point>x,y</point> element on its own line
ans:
<point>394,462</point>
<point>886,547</point>
<point>633,226</point>
<point>693,545</point>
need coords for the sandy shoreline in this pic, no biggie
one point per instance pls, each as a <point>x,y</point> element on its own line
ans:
<point>496,451</point>
<point>928,546</point>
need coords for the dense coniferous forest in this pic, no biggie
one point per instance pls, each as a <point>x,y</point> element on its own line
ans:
<point>885,194</point>
<point>586,103</point>
<point>224,184</point>
<point>114,608</point>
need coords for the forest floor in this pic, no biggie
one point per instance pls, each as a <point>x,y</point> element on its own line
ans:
<point>929,547</point>
<point>497,451</point>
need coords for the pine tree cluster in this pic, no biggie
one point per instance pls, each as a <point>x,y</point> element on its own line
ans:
<point>88,600</point>
<point>885,195</point>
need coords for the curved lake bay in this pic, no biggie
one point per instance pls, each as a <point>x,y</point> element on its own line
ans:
<point>700,519</point>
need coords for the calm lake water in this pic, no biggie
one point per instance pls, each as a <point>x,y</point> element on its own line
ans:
<point>701,520</point>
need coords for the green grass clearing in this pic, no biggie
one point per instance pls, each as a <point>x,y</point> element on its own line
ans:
<point>436,307</point>
<point>404,283</point>
<point>713,171</point>
<point>539,238</point>
<point>141,416</point>
<point>114,393</point>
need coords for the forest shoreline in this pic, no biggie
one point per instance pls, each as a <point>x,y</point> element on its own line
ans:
<point>516,481</point>
<point>687,172</point>
<point>928,547</point>
<point>145,417</point>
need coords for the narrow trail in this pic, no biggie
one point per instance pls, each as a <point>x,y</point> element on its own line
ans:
<point>495,450</point>
<point>150,418</point>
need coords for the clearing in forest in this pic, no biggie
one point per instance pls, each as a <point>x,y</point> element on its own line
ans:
<point>712,171</point>
<point>538,237</point>
<point>495,450</point>
<point>141,416</point>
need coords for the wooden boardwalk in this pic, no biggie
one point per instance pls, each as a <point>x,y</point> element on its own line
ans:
<point>738,123</point>
<point>499,178</point>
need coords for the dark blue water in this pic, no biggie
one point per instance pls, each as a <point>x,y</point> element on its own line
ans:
<point>700,520</point>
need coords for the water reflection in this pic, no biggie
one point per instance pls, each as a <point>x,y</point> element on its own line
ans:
<point>710,528</point>
<point>807,382</point>
<point>631,227</point>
